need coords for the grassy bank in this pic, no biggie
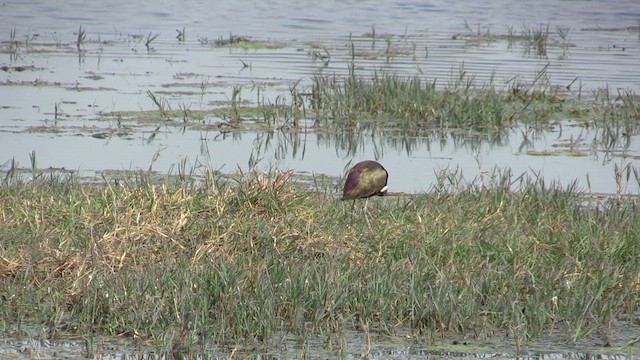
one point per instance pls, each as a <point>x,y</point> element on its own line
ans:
<point>241,261</point>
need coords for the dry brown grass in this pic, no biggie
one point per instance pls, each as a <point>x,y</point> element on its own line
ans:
<point>242,259</point>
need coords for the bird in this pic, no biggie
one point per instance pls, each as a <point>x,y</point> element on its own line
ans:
<point>365,179</point>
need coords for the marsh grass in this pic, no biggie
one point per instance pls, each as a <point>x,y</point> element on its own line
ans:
<point>537,39</point>
<point>412,101</point>
<point>242,42</point>
<point>82,35</point>
<point>240,261</point>
<point>534,39</point>
<point>411,104</point>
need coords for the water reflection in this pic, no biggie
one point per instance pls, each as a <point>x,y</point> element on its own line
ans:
<point>381,142</point>
<point>353,345</point>
<point>564,152</point>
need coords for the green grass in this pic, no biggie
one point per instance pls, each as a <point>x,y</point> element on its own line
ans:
<point>410,106</point>
<point>409,101</point>
<point>463,103</point>
<point>241,261</point>
<point>246,43</point>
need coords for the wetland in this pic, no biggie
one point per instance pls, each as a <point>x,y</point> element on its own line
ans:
<point>169,182</point>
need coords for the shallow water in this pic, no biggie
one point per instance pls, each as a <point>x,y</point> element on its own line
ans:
<point>345,345</point>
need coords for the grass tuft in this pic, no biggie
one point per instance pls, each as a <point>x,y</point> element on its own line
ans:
<point>241,261</point>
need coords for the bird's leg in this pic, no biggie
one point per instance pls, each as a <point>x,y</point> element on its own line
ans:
<point>364,210</point>
<point>353,204</point>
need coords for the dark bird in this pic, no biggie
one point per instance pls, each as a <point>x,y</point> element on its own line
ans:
<point>367,178</point>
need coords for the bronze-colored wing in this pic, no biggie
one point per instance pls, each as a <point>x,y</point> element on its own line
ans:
<point>366,178</point>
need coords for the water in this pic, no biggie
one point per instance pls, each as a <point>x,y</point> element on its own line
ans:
<point>350,345</point>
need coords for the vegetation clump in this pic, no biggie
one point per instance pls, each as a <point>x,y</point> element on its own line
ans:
<point>244,260</point>
<point>463,103</point>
